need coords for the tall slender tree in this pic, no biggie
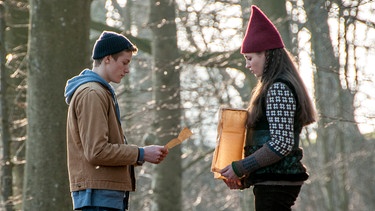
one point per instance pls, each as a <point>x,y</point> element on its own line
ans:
<point>166,94</point>
<point>58,48</point>
<point>16,17</point>
<point>335,104</point>
<point>5,167</point>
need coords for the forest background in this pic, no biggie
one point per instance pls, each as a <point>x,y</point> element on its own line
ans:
<point>188,67</point>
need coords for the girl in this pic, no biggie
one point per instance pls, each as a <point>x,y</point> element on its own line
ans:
<point>279,108</point>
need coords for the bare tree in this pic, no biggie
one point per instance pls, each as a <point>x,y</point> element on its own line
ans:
<point>5,155</point>
<point>166,94</point>
<point>58,49</point>
<point>336,127</point>
<point>13,98</point>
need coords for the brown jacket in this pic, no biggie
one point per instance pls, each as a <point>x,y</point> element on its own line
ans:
<point>98,158</point>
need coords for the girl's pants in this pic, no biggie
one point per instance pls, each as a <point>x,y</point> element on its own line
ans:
<point>275,197</point>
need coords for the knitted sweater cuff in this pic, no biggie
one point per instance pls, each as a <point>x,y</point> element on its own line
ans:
<point>237,168</point>
<point>245,166</point>
<point>261,158</point>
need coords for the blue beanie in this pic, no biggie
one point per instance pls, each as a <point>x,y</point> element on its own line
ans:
<point>110,43</point>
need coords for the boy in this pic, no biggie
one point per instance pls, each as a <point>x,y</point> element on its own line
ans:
<point>100,162</point>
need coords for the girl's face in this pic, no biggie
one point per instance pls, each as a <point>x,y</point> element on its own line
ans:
<point>255,62</point>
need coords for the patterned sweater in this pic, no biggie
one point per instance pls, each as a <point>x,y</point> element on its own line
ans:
<point>272,152</point>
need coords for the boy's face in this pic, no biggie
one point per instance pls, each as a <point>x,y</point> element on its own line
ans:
<point>114,70</point>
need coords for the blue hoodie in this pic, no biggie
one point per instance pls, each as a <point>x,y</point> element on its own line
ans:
<point>84,77</point>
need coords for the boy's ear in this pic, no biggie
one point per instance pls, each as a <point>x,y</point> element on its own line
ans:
<point>107,59</point>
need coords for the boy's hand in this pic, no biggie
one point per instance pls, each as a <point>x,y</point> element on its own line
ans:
<point>155,153</point>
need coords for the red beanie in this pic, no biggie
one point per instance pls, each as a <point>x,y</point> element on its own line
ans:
<point>261,34</point>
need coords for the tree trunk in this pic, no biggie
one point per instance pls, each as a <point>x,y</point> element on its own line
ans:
<point>336,110</point>
<point>58,49</point>
<point>327,88</point>
<point>6,167</point>
<point>14,95</point>
<point>166,93</point>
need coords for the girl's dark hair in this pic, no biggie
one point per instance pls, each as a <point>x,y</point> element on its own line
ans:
<point>280,66</point>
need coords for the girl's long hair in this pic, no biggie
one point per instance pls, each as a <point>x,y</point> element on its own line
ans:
<point>279,65</point>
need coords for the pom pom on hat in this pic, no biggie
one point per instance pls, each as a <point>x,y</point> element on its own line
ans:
<point>110,43</point>
<point>261,34</point>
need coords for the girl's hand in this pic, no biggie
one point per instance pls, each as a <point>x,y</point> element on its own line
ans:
<point>228,173</point>
<point>231,179</point>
